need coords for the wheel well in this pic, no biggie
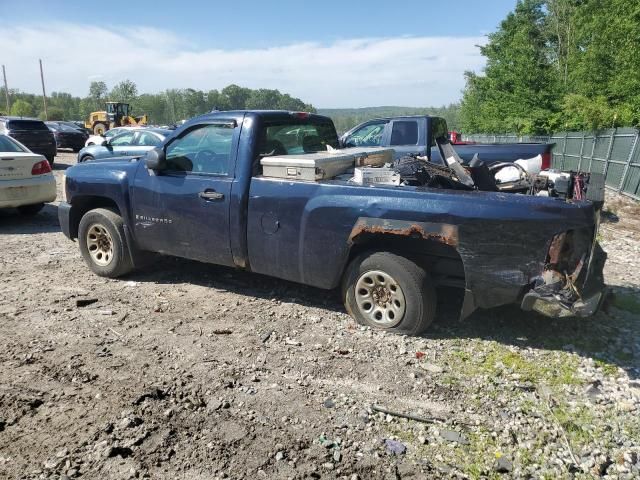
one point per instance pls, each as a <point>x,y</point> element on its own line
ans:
<point>442,261</point>
<point>82,205</point>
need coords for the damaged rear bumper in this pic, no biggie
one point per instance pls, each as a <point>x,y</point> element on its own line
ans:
<point>568,300</point>
<point>555,306</point>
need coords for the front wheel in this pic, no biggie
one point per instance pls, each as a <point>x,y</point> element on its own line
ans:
<point>99,129</point>
<point>86,158</point>
<point>103,243</point>
<point>390,292</point>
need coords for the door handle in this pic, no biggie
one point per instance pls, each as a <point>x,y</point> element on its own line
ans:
<point>211,195</point>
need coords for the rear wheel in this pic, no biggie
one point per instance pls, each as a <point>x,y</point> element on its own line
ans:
<point>29,210</point>
<point>50,159</point>
<point>87,158</point>
<point>386,291</point>
<point>99,128</point>
<point>103,243</point>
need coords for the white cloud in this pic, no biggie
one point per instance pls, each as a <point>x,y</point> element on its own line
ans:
<point>412,71</point>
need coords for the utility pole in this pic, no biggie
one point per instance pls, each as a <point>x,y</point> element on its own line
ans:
<point>44,93</point>
<point>6,89</point>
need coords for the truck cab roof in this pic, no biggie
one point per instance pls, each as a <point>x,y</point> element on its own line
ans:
<point>268,114</point>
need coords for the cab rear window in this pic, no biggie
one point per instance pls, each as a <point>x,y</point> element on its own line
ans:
<point>26,125</point>
<point>289,138</point>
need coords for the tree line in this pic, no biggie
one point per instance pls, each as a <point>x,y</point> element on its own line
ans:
<point>167,107</point>
<point>555,65</point>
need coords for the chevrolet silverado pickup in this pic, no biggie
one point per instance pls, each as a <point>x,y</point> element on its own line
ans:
<point>203,195</point>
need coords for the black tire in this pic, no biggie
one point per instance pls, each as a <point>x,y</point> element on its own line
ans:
<point>29,210</point>
<point>413,283</point>
<point>50,159</point>
<point>87,158</point>
<point>120,262</point>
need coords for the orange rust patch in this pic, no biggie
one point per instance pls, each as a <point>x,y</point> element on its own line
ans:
<point>442,233</point>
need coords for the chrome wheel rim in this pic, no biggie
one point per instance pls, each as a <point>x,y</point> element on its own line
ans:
<point>100,245</point>
<point>380,299</point>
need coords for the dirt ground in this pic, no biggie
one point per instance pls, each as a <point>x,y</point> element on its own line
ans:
<point>192,371</point>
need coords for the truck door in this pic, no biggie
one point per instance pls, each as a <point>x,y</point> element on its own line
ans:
<point>406,136</point>
<point>184,209</point>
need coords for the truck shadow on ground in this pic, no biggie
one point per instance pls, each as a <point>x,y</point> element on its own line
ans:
<point>609,337</point>
<point>46,221</point>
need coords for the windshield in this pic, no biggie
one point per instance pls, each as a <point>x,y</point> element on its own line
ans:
<point>8,145</point>
<point>113,132</point>
<point>296,137</point>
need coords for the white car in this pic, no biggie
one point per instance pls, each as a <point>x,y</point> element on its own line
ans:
<point>98,139</point>
<point>26,180</point>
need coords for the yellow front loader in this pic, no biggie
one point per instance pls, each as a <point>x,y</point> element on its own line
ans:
<point>115,115</point>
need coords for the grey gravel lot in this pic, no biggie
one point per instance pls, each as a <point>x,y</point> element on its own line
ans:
<point>192,371</point>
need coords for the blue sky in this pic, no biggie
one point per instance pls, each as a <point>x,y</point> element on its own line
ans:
<point>333,54</point>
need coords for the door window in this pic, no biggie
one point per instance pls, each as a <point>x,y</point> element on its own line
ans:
<point>124,139</point>
<point>147,139</point>
<point>204,149</point>
<point>404,132</point>
<point>369,135</point>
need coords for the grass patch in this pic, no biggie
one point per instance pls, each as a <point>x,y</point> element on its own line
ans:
<point>576,422</point>
<point>607,368</point>
<point>549,368</point>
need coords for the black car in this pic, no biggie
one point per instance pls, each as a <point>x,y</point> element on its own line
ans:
<point>67,136</point>
<point>76,124</point>
<point>32,133</point>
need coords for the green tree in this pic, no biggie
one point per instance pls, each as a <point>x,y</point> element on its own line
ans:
<point>22,108</point>
<point>54,113</point>
<point>235,97</point>
<point>194,102</point>
<point>518,91</point>
<point>607,58</point>
<point>263,99</point>
<point>98,92</point>
<point>216,101</point>
<point>126,91</point>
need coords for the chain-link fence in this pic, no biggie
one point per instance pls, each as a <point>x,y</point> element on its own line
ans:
<point>615,153</point>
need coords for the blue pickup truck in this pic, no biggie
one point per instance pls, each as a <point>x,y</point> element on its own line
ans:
<point>202,196</point>
<point>410,135</point>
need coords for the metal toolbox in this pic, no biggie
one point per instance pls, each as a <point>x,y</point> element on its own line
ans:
<point>323,165</point>
<point>308,166</point>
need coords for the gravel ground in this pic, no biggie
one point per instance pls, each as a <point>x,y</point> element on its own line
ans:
<point>192,371</point>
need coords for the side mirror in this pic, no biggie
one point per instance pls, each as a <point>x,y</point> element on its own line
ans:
<point>155,159</point>
<point>341,142</point>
